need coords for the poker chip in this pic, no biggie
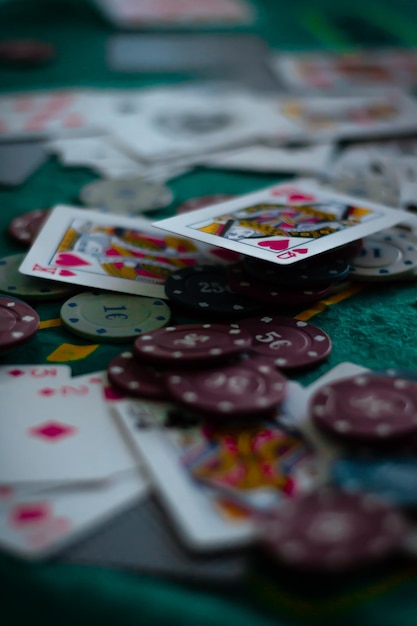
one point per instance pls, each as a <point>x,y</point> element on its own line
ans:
<point>291,343</point>
<point>393,479</point>
<point>134,378</point>
<point>113,317</point>
<point>372,408</point>
<point>25,52</point>
<point>330,530</point>
<point>204,288</point>
<point>192,343</point>
<point>388,255</point>
<point>242,389</point>
<point>242,284</point>
<point>25,228</point>
<point>127,197</point>
<point>14,283</point>
<point>316,272</point>
<point>18,323</point>
<point>202,202</point>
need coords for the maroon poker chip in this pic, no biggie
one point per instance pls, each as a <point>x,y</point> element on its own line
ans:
<point>25,51</point>
<point>26,227</point>
<point>367,407</point>
<point>291,343</point>
<point>329,530</point>
<point>191,343</point>
<point>242,284</point>
<point>243,389</point>
<point>136,379</point>
<point>18,323</point>
<point>203,201</point>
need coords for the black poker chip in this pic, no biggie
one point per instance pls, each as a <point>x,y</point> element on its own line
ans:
<point>315,272</point>
<point>205,289</point>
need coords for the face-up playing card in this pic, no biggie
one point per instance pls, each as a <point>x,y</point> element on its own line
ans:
<point>210,508</point>
<point>18,160</point>
<point>108,251</point>
<point>178,123</point>
<point>347,71</point>
<point>59,432</point>
<point>40,114</point>
<point>141,540</point>
<point>308,160</point>
<point>285,223</point>
<point>37,525</point>
<point>174,13</point>
<point>21,374</point>
<point>385,114</point>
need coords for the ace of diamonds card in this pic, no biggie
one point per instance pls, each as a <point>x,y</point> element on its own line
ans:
<point>285,223</point>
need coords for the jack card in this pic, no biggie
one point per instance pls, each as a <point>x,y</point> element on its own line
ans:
<point>285,223</point>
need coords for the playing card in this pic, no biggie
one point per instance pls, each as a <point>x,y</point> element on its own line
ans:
<point>99,154</point>
<point>21,374</point>
<point>309,160</point>
<point>384,114</point>
<point>210,508</point>
<point>59,432</point>
<point>285,223</point>
<point>38,525</point>
<point>18,160</point>
<point>173,13</point>
<point>41,114</point>
<point>140,539</point>
<point>178,123</point>
<point>190,508</point>
<point>182,53</point>
<point>108,251</point>
<point>353,70</point>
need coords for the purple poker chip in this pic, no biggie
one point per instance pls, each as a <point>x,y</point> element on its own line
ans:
<point>136,379</point>
<point>191,343</point>
<point>245,389</point>
<point>372,408</point>
<point>291,343</point>
<point>18,323</point>
<point>25,228</point>
<point>244,285</point>
<point>330,530</point>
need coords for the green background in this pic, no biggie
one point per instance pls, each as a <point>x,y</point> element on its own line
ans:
<point>375,328</point>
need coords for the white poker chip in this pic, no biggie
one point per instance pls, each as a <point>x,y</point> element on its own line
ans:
<point>126,196</point>
<point>388,255</point>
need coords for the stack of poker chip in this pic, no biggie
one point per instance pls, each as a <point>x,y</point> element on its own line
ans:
<point>360,515</point>
<point>220,370</point>
<point>250,285</point>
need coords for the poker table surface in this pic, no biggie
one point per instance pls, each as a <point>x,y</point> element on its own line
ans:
<point>374,326</point>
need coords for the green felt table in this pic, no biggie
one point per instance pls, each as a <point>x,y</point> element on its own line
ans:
<point>374,327</point>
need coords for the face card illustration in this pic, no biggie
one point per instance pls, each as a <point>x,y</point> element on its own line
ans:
<point>384,114</point>
<point>346,71</point>
<point>285,223</point>
<point>205,479</point>
<point>107,251</point>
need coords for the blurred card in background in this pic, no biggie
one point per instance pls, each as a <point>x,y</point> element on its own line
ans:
<point>144,14</point>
